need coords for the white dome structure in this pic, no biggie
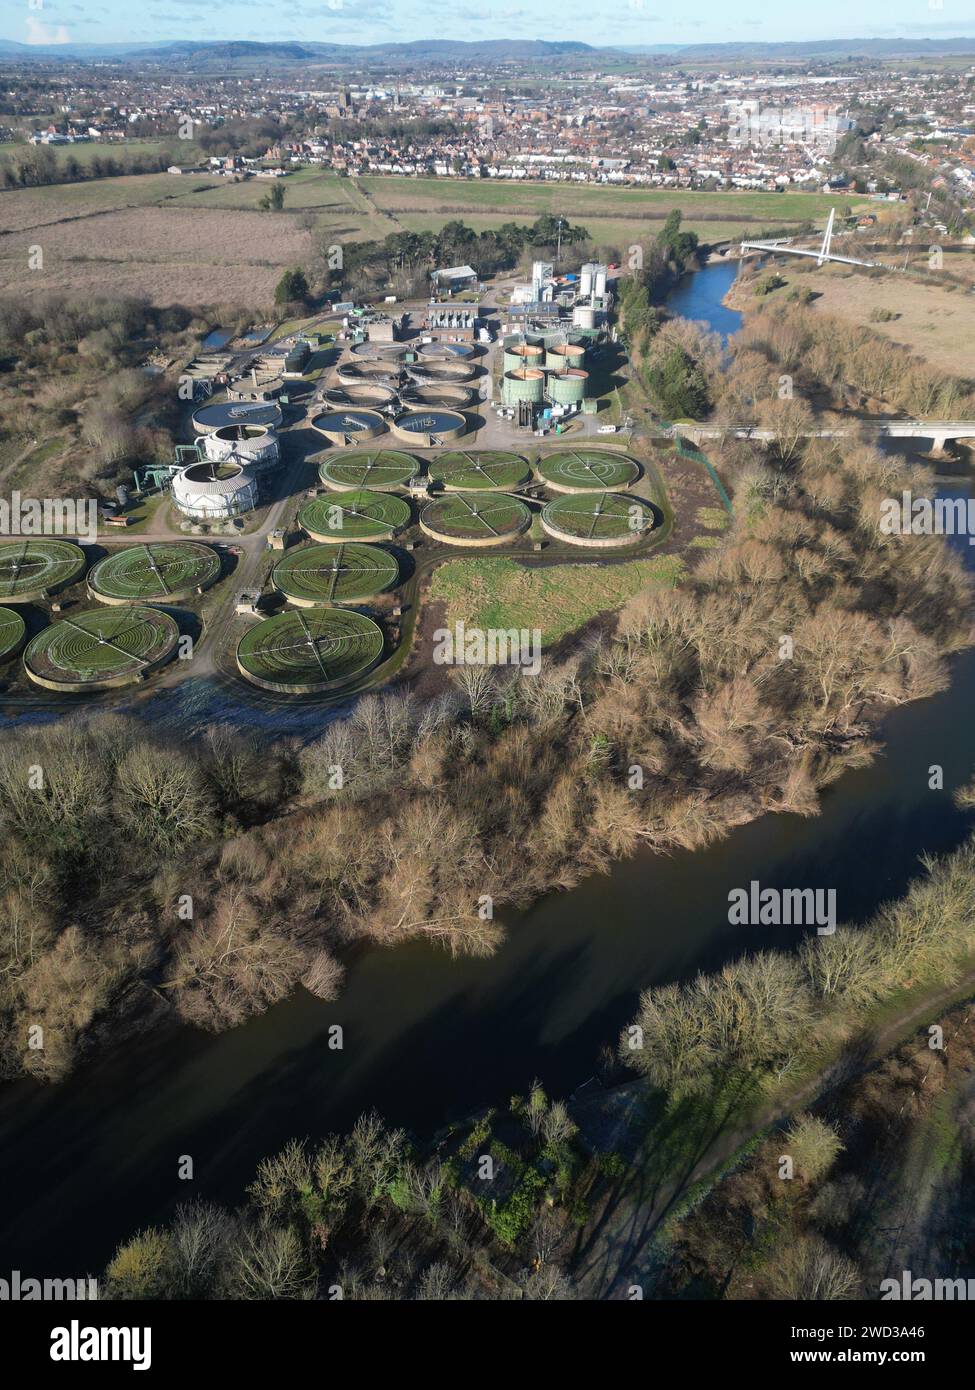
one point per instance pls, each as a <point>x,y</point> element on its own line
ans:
<point>213,491</point>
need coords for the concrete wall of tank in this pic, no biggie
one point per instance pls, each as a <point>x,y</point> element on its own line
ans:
<point>330,424</point>
<point>522,355</point>
<point>240,495</point>
<point>592,543</point>
<point>428,439</point>
<point>568,388</point>
<point>561,356</point>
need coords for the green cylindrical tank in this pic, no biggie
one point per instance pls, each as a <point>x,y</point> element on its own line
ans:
<point>523,384</point>
<point>590,406</point>
<point>568,388</point>
<point>560,356</point>
<point>521,354</point>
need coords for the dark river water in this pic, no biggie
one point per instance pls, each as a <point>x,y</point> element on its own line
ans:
<point>88,1162</point>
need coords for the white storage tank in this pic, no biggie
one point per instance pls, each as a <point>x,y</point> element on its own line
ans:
<point>249,444</point>
<point>214,491</point>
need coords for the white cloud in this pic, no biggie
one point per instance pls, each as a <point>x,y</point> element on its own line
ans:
<point>39,32</point>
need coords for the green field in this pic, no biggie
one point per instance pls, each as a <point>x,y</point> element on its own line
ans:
<point>360,515</point>
<point>321,574</point>
<point>599,517</point>
<point>157,571</point>
<point>588,469</point>
<point>101,645</point>
<point>558,599</point>
<point>293,652</point>
<point>462,517</point>
<point>31,568</point>
<point>87,151</point>
<point>628,209</point>
<point>488,469</point>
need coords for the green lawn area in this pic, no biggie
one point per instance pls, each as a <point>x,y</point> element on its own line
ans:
<point>500,593</point>
<point>609,214</point>
<point>182,151</point>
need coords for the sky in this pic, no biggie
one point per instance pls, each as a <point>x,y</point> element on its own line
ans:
<point>379,21</point>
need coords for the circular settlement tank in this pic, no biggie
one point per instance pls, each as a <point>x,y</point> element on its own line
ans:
<point>211,491</point>
<point>254,444</point>
<point>374,370</point>
<point>560,356</point>
<point>13,630</point>
<point>522,354</point>
<point>445,352</point>
<point>365,396</point>
<point>318,649</point>
<point>37,569</point>
<point>524,384</point>
<point>101,649</point>
<point>568,388</point>
<point>215,414</point>
<point>425,429</point>
<point>379,352</point>
<point>447,371</point>
<point>599,520</point>
<point>349,426</point>
<point>433,397</point>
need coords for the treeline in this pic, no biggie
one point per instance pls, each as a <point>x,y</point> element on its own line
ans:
<point>820,356</point>
<point>403,260</point>
<point>506,786</point>
<point>71,369</point>
<point>668,359</point>
<point>846,1213</point>
<point>488,1213</point>
<point>39,165</point>
<point>763,1018</point>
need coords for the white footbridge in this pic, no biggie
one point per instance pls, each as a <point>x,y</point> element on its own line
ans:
<point>782,246</point>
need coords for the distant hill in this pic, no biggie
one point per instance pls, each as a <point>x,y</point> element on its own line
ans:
<point>222,50</point>
<point>814,48</point>
<point>216,51</point>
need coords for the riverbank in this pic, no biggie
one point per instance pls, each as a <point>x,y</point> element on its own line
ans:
<point>427,1036</point>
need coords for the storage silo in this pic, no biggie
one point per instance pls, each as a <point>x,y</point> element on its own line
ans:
<point>251,444</point>
<point>215,491</point>
<point>561,356</point>
<point>523,384</point>
<point>569,387</point>
<point>521,354</point>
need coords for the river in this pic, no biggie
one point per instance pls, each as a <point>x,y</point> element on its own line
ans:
<point>86,1163</point>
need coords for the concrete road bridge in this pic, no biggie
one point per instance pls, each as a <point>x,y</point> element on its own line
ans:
<point>939,432</point>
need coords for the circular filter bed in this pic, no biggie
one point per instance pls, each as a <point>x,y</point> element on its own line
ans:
<point>159,571</point>
<point>320,574</point>
<point>586,470</point>
<point>463,472</point>
<point>460,518</point>
<point>12,632</point>
<point>101,649</point>
<point>598,520</point>
<point>35,569</point>
<point>386,469</point>
<point>300,653</point>
<point>354,516</point>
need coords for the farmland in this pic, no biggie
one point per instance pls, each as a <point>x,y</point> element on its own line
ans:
<point>198,238</point>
